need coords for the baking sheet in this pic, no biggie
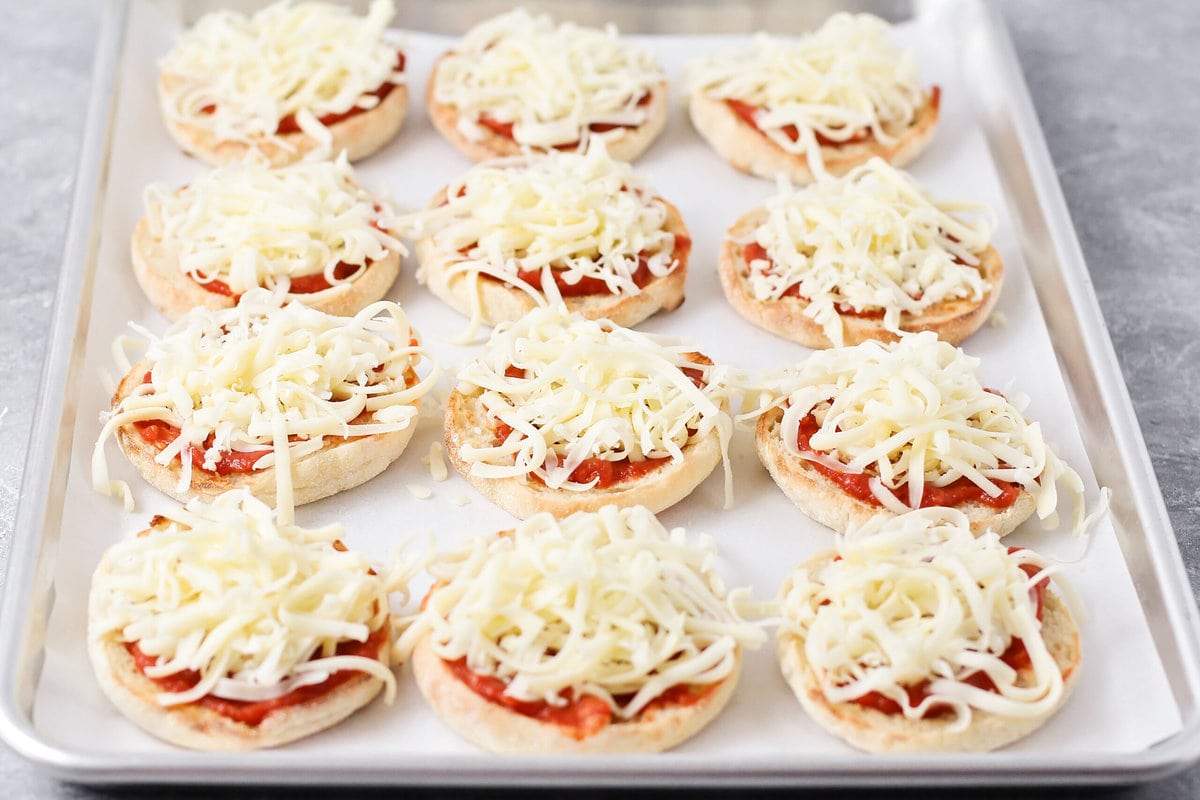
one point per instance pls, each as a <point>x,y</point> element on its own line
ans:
<point>761,537</point>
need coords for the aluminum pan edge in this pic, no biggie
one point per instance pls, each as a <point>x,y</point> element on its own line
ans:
<point>27,588</point>
<point>1050,225</point>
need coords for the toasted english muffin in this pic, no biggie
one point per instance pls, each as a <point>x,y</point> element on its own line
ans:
<point>826,502</point>
<point>289,80</point>
<point>467,426</point>
<point>951,319</point>
<point>246,226</point>
<point>633,648</point>
<point>748,150</point>
<point>519,83</point>
<point>216,722</point>
<point>499,302</point>
<point>278,398</point>
<point>499,730</point>
<point>871,725</point>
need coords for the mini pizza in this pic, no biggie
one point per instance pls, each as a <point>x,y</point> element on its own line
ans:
<point>519,83</point>
<point>219,628</point>
<point>914,635</point>
<point>599,633</point>
<point>580,229</point>
<point>308,230</point>
<point>820,104</point>
<point>856,431</point>
<point>565,414</point>
<point>281,399</point>
<point>291,79</point>
<point>867,256</point>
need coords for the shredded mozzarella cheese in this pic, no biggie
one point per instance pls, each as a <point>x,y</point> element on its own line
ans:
<point>248,225</point>
<point>550,82</point>
<point>254,606</point>
<point>590,389</point>
<point>237,77</point>
<point>915,414</point>
<point>873,239</point>
<point>918,598</point>
<point>840,81</point>
<point>568,215</point>
<point>264,373</point>
<point>606,604</point>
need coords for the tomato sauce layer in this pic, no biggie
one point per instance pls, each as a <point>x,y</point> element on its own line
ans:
<point>857,484</point>
<point>582,715</point>
<point>289,124</point>
<point>748,114</point>
<point>588,285</point>
<point>605,472</point>
<point>160,434</point>
<point>505,129</point>
<point>301,284</point>
<point>1015,656</point>
<point>756,252</point>
<point>253,712</point>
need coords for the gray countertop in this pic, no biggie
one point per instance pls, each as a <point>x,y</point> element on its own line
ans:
<point>1117,87</point>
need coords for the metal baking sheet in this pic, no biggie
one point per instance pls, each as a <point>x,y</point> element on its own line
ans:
<point>1141,638</point>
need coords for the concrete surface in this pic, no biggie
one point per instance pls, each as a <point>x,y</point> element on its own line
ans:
<point>1117,87</point>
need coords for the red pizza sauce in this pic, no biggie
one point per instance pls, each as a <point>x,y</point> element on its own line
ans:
<point>857,485</point>
<point>747,113</point>
<point>302,284</point>
<point>588,285</point>
<point>606,472</point>
<point>160,433</point>
<point>289,125</point>
<point>582,715</point>
<point>756,252</point>
<point>253,712</point>
<point>1015,656</point>
<point>505,129</point>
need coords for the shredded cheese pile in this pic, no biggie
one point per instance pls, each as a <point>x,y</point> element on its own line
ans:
<point>591,389</point>
<point>257,608</point>
<point>873,239</point>
<point>571,215</point>
<point>254,375</point>
<point>550,81</point>
<point>237,77</point>
<point>915,413</point>
<point>248,225</point>
<point>918,597</point>
<point>604,604</point>
<point>843,79</point>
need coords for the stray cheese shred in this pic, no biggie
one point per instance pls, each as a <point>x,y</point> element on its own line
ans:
<point>591,389</point>
<point>570,215</point>
<point>269,375</point>
<point>873,239</point>
<point>917,598</point>
<point>256,607</point>
<point>915,413</point>
<point>609,604</point>
<point>248,225</point>
<point>550,82</point>
<point>841,81</point>
<point>238,76</point>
